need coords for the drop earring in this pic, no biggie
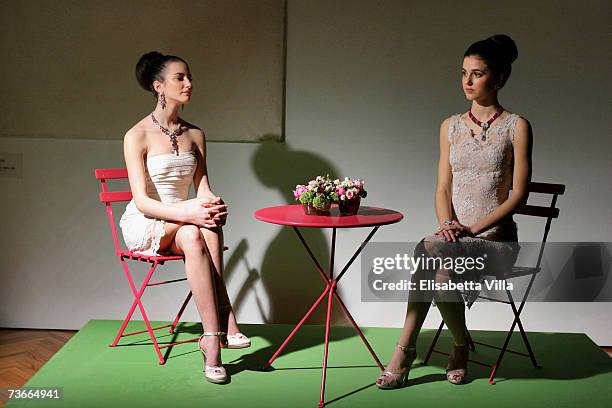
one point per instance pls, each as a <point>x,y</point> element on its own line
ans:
<point>162,100</point>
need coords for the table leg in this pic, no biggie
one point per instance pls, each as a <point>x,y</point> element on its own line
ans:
<point>359,332</point>
<point>312,309</point>
<point>330,292</point>
<point>314,259</point>
<point>330,300</point>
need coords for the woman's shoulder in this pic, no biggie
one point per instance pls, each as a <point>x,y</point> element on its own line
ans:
<point>516,118</point>
<point>135,139</point>
<point>522,130</point>
<point>521,121</point>
<point>448,126</point>
<point>517,125</point>
<point>191,128</point>
<point>451,119</point>
<point>138,131</point>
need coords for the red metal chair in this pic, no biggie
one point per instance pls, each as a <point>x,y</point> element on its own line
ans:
<point>108,198</point>
<point>550,212</point>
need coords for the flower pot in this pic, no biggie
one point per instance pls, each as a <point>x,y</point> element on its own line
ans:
<point>349,207</point>
<point>310,210</point>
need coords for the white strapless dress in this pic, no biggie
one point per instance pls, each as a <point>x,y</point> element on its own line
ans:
<point>168,179</point>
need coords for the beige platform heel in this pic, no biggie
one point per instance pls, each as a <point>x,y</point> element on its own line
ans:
<point>456,371</point>
<point>213,374</point>
<point>236,340</point>
<point>389,380</point>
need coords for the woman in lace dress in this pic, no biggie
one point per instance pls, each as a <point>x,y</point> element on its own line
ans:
<point>484,153</point>
<point>164,155</point>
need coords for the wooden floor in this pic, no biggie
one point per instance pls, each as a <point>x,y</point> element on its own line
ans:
<point>23,352</point>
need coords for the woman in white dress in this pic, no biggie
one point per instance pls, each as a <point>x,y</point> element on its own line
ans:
<point>484,153</point>
<point>164,154</point>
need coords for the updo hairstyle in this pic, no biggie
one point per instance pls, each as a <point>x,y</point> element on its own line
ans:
<point>151,67</point>
<point>498,52</point>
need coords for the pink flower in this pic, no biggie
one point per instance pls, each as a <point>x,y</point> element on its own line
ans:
<point>350,194</point>
<point>299,190</point>
<point>341,191</point>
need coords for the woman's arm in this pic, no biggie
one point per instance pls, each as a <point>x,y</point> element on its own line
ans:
<point>200,179</point>
<point>135,150</point>
<point>521,176</point>
<point>444,207</point>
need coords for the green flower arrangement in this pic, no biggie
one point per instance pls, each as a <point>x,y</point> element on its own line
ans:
<point>319,193</point>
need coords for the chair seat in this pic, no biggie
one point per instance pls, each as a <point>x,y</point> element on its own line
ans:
<point>517,271</point>
<point>523,270</point>
<point>149,258</point>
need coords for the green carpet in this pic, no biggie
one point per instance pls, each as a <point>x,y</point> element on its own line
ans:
<point>575,372</point>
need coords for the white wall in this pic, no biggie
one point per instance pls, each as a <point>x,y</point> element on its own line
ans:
<point>244,85</point>
<point>367,86</point>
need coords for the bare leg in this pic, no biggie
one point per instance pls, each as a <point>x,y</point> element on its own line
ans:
<point>200,276</point>
<point>417,309</point>
<point>214,243</point>
<point>452,309</point>
<point>415,316</point>
<point>170,229</point>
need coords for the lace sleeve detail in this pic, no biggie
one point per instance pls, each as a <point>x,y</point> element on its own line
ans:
<point>452,128</point>
<point>512,126</point>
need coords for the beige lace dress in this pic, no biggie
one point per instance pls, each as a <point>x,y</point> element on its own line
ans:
<point>168,177</point>
<point>482,179</point>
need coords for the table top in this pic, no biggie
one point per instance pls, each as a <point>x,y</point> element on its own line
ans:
<point>293,215</point>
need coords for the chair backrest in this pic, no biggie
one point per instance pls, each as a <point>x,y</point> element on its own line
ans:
<point>549,212</point>
<point>109,197</point>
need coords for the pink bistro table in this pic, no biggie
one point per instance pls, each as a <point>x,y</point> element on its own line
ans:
<point>293,216</point>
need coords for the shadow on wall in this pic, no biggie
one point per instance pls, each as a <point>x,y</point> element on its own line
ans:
<point>239,255</point>
<point>582,278</point>
<point>288,274</point>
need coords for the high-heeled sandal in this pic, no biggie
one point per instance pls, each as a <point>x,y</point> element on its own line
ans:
<point>213,374</point>
<point>389,380</point>
<point>456,370</point>
<point>236,340</point>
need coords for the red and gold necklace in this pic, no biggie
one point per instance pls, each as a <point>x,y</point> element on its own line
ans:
<point>486,125</point>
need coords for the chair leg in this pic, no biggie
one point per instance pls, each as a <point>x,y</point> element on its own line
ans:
<point>137,296</point>
<point>433,343</point>
<point>528,346</point>
<point>130,312</point>
<point>501,354</point>
<point>517,318</point>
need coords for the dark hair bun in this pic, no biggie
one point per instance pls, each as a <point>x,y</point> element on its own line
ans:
<point>499,52</point>
<point>148,68</point>
<point>506,46</point>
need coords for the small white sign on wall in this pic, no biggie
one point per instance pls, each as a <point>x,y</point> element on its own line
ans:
<point>11,165</point>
